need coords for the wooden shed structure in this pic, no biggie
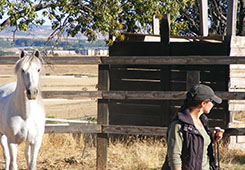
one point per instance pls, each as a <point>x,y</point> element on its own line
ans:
<point>170,77</point>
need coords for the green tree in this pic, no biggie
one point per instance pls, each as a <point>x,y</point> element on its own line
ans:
<point>217,14</point>
<point>90,17</point>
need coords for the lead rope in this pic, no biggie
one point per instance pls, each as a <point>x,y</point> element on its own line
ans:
<point>216,145</point>
<point>218,155</point>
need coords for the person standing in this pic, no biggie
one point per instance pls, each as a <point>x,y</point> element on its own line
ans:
<point>190,142</point>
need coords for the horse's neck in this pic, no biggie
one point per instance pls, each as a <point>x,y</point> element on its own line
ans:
<point>21,103</point>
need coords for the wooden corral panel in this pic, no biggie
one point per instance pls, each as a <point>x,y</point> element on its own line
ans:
<point>136,49</point>
<point>162,78</point>
<point>171,49</point>
<point>198,48</point>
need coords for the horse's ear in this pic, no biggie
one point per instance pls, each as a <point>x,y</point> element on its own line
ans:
<point>22,54</point>
<point>37,53</point>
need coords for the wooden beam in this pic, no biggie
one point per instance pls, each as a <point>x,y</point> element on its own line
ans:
<point>165,35</point>
<point>121,129</point>
<point>231,18</point>
<point>165,29</point>
<point>71,94</point>
<point>103,117</point>
<point>147,60</point>
<point>163,95</point>
<point>102,138</point>
<point>172,60</point>
<point>8,60</point>
<point>204,17</point>
<point>139,95</point>
<point>72,128</point>
<point>234,132</point>
<point>67,60</point>
<point>133,130</point>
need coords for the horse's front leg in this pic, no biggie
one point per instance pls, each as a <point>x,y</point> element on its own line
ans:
<point>28,154</point>
<point>34,153</point>
<point>4,143</point>
<point>13,149</point>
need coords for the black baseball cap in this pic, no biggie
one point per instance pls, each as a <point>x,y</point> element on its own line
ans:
<point>201,92</point>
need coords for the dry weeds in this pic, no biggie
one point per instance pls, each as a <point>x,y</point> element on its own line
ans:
<point>68,152</point>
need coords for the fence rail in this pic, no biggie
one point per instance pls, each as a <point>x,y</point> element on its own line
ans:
<point>122,129</point>
<point>173,60</point>
<point>67,60</point>
<point>136,60</point>
<point>134,95</point>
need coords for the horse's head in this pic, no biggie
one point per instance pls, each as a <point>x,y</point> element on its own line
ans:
<point>28,69</point>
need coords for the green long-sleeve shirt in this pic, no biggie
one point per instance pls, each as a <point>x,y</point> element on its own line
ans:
<point>175,144</point>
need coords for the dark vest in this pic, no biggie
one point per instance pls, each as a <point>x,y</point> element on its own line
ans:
<point>192,151</point>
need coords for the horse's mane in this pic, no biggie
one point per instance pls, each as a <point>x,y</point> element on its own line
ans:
<point>27,59</point>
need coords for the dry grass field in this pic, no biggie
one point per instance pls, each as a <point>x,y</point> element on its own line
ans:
<point>74,152</point>
<point>78,152</point>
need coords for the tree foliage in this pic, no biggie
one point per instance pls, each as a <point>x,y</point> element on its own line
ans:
<point>217,14</point>
<point>111,17</point>
<point>91,17</point>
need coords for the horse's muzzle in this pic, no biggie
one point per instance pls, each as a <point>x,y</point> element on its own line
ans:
<point>31,94</point>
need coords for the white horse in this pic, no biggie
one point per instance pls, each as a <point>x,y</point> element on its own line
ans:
<point>22,115</point>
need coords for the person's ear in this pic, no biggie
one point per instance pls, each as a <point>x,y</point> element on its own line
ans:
<point>203,103</point>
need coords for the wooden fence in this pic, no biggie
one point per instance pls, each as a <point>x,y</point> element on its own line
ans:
<point>101,128</point>
<point>142,95</point>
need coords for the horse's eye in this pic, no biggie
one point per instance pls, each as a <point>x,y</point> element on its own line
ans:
<point>38,70</point>
<point>23,71</point>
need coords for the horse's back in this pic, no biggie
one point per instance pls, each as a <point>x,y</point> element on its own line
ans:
<point>7,89</point>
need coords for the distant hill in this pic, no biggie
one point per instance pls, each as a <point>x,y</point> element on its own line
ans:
<point>36,32</point>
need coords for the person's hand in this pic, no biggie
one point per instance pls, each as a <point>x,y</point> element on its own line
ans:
<point>217,134</point>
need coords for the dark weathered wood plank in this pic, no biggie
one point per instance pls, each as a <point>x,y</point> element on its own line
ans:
<point>164,95</point>
<point>134,95</point>
<point>104,77</point>
<point>122,129</point>
<point>165,35</point>
<point>192,77</point>
<point>139,130</point>
<point>72,128</point>
<point>137,60</point>
<point>173,60</point>
<point>8,60</point>
<point>101,151</point>
<point>71,94</point>
<point>55,60</point>
<point>231,18</point>
<point>102,139</point>
<point>234,132</point>
<point>102,118</point>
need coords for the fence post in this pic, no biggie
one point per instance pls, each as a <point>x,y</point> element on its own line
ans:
<point>204,17</point>
<point>102,118</point>
<point>165,34</point>
<point>231,18</point>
